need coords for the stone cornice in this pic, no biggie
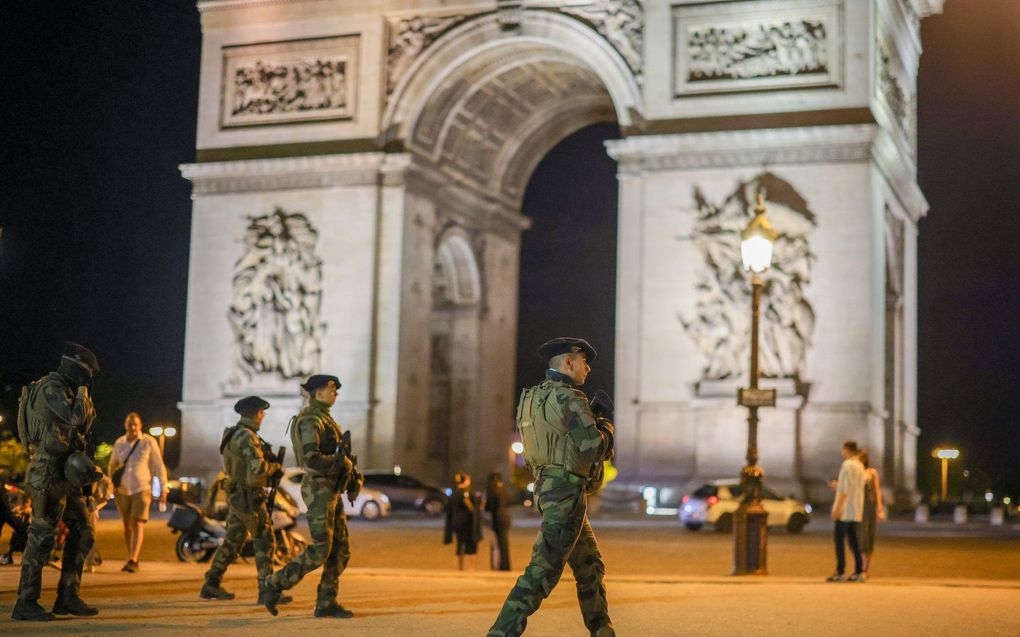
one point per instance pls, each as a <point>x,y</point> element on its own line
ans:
<point>219,5</point>
<point>815,144</point>
<point>323,171</point>
<point>901,174</point>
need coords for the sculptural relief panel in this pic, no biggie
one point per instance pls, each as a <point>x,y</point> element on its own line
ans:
<point>277,296</point>
<point>724,47</point>
<point>720,326</point>
<point>294,81</point>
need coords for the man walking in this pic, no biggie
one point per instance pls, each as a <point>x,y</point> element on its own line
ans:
<point>55,414</point>
<point>564,445</point>
<point>847,511</point>
<point>135,460</point>
<point>248,472</point>
<point>328,473</point>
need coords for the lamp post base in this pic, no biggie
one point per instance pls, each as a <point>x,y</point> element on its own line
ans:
<point>750,526</point>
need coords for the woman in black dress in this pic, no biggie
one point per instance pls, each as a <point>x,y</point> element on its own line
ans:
<point>463,520</point>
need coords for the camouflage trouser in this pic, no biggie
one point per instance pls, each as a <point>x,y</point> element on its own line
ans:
<point>239,525</point>
<point>565,537</point>
<point>54,500</point>
<point>330,548</point>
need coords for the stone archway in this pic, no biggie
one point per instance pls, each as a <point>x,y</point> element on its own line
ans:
<point>390,128</point>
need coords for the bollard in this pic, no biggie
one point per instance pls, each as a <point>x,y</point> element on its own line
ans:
<point>960,514</point>
<point>998,516</point>
<point>921,514</point>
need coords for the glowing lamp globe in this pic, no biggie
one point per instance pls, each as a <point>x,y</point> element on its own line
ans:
<point>756,240</point>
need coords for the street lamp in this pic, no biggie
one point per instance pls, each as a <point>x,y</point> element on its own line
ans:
<point>945,455</point>
<point>162,433</point>
<point>749,521</point>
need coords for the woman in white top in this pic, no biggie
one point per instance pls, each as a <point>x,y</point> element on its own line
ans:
<point>138,454</point>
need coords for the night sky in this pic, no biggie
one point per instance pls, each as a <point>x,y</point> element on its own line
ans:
<point>100,108</point>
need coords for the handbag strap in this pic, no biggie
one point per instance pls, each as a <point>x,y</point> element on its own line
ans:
<point>132,450</point>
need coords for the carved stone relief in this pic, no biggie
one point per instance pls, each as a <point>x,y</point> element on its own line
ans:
<point>290,81</point>
<point>275,314</point>
<point>892,91</point>
<point>739,47</point>
<point>721,324</point>
<point>409,36</point>
<point>621,22</point>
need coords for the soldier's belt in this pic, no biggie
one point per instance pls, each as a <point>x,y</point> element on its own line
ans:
<point>556,471</point>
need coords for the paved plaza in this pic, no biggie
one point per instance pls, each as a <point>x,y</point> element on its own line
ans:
<point>663,580</point>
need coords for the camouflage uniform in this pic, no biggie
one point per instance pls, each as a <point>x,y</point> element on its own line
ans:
<point>315,436</point>
<point>248,473</point>
<point>59,414</point>
<point>564,447</point>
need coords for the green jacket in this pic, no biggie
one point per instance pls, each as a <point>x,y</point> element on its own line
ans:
<point>558,427</point>
<point>57,414</point>
<point>316,438</point>
<point>244,463</point>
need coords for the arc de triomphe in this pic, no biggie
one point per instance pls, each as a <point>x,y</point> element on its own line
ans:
<point>357,210</point>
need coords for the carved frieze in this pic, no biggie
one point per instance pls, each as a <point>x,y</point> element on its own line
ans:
<point>277,290</point>
<point>721,324</point>
<point>621,22</point>
<point>725,47</point>
<point>293,81</point>
<point>409,36</point>
<point>892,90</point>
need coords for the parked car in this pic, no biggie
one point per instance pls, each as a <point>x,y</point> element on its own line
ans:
<point>714,503</point>
<point>407,493</point>
<point>370,504</point>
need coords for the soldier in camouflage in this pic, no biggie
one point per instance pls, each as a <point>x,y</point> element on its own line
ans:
<point>248,473</point>
<point>564,445</point>
<point>54,415</point>
<point>328,473</point>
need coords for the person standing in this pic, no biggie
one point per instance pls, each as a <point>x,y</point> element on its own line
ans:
<point>847,511</point>
<point>463,521</point>
<point>101,492</point>
<point>248,473</point>
<point>133,464</point>
<point>564,445</point>
<point>55,414</point>
<point>874,512</point>
<point>499,519</point>
<point>316,438</point>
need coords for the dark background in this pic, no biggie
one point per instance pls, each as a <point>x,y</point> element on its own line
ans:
<point>100,108</point>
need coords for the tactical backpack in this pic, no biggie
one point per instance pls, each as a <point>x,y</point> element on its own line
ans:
<point>28,435</point>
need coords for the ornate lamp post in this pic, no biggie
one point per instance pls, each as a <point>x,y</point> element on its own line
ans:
<point>945,455</point>
<point>749,529</point>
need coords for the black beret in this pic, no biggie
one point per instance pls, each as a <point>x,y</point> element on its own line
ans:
<point>81,354</point>
<point>319,380</point>
<point>250,405</point>
<point>566,345</point>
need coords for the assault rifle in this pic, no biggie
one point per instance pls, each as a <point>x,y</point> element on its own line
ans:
<point>347,451</point>
<point>274,484</point>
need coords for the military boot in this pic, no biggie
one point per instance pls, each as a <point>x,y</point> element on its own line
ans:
<point>333,609</point>
<point>73,605</point>
<point>270,598</point>
<point>30,610</point>
<point>214,591</point>
<point>281,601</point>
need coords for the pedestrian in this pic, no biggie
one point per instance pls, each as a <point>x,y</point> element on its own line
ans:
<point>463,521</point>
<point>100,497</point>
<point>499,521</point>
<point>847,511</point>
<point>316,438</point>
<point>564,444</point>
<point>135,461</point>
<point>54,416</point>
<point>248,473</point>
<point>874,512</point>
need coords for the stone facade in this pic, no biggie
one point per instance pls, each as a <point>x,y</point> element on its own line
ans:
<point>357,208</point>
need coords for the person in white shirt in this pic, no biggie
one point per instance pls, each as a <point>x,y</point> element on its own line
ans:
<point>847,511</point>
<point>137,453</point>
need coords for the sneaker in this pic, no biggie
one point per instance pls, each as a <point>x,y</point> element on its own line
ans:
<point>74,606</point>
<point>130,567</point>
<point>857,577</point>
<point>836,577</point>
<point>333,609</point>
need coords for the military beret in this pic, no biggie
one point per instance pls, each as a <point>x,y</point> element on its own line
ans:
<point>566,345</point>
<point>81,355</point>
<point>250,405</point>
<point>319,380</point>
